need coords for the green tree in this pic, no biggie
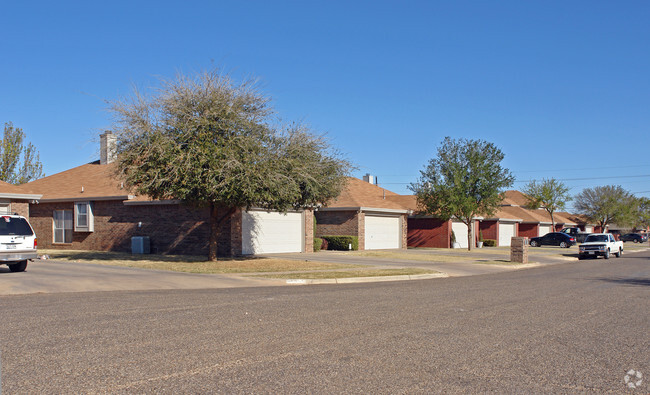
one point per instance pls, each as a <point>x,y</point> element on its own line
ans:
<point>552,195</point>
<point>209,141</point>
<point>19,161</point>
<point>606,205</point>
<point>643,213</point>
<point>464,180</point>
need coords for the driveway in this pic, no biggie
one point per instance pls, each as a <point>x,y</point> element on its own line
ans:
<point>49,276</point>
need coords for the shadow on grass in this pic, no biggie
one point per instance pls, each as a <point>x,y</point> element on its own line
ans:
<point>639,282</point>
<point>90,256</point>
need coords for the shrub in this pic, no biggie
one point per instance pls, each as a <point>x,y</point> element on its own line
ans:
<point>318,243</point>
<point>342,243</point>
<point>480,236</point>
<point>489,243</point>
<point>453,237</point>
<point>324,244</point>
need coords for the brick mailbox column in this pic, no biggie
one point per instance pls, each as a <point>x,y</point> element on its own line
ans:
<point>519,249</point>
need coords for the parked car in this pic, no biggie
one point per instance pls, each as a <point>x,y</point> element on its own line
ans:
<point>635,237</point>
<point>17,242</point>
<point>553,239</point>
<point>600,244</point>
<point>576,233</point>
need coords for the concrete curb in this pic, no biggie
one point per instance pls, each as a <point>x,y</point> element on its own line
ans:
<point>352,280</point>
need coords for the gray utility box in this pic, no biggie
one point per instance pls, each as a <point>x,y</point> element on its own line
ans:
<point>140,245</point>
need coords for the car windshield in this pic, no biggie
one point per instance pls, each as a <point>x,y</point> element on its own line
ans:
<point>15,227</point>
<point>596,238</point>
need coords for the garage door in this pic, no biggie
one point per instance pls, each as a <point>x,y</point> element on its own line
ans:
<point>589,229</point>
<point>383,232</point>
<point>506,233</point>
<point>460,230</point>
<point>544,229</point>
<point>267,232</point>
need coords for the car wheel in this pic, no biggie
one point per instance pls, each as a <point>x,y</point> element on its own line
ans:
<point>563,244</point>
<point>534,243</point>
<point>619,253</point>
<point>580,257</point>
<point>18,267</point>
<point>636,241</point>
<point>606,254</point>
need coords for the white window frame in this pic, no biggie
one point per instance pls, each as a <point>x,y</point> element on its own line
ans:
<point>66,231</point>
<point>78,214</point>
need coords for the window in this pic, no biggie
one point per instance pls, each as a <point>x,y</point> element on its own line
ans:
<point>12,226</point>
<point>62,226</point>
<point>83,217</point>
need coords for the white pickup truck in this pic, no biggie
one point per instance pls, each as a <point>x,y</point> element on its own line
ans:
<point>600,244</point>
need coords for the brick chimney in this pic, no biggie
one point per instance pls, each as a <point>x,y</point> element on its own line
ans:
<point>107,147</point>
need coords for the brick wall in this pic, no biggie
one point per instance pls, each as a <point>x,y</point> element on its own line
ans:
<point>429,232</point>
<point>309,230</point>
<point>20,208</point>
<point>405,225</point>
<point>361,226</point>
<point>337,223</point>
<point>172,228</point>
<point>528,230</point>
<point>490,229</point>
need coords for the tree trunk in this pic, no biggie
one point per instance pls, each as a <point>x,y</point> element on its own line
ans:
<point>469,235</point>
<point>552,221</point>
<point>215,230</point>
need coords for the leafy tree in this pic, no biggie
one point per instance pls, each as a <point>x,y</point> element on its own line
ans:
<point>643,214</point>
<point>464,180</point>
<point>211,142</point>
<point>550,194</point>
<point>19,161</point>
<point>606,205</point>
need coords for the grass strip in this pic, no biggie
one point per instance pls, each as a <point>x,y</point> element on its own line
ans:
<point>189,264</point>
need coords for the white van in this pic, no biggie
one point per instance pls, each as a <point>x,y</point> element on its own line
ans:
<point>17,242</point>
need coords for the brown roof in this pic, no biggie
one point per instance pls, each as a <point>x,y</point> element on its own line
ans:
<point>514,198</point>
<point>16,192</point>
<point>89,181</point>
<point>358,193</point>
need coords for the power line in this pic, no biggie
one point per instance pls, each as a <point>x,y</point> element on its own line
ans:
<point>591,178</point>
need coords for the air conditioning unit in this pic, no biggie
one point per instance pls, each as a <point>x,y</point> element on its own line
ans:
<point>140,245</point>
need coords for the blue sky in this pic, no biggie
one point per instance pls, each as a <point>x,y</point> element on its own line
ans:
<point>562,87</point>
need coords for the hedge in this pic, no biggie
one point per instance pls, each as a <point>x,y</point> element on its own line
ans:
<point>489,243</point>
<point>342,243</point>
<point>318,242</point>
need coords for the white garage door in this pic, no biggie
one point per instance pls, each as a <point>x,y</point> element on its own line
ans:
<point>589,229</point>
<point>544,229</point>
<point>267,232</point>
<point>506,232</point>
<point>460,231</point>
<point>383,232</point>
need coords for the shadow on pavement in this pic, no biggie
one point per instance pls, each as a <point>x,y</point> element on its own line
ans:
<point>643,282</point>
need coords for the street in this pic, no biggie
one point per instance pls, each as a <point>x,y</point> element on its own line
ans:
<point>574,327</point>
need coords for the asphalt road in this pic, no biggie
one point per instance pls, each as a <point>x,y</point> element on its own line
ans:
<point>575,327</point>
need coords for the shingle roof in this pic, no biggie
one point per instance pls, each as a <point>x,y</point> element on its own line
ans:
<point>89,181</point>
<point>514,198</point>
<point>11,191</point>
<point>358,193</point>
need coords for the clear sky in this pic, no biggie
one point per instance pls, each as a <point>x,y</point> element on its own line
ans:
<point>562,87</point>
